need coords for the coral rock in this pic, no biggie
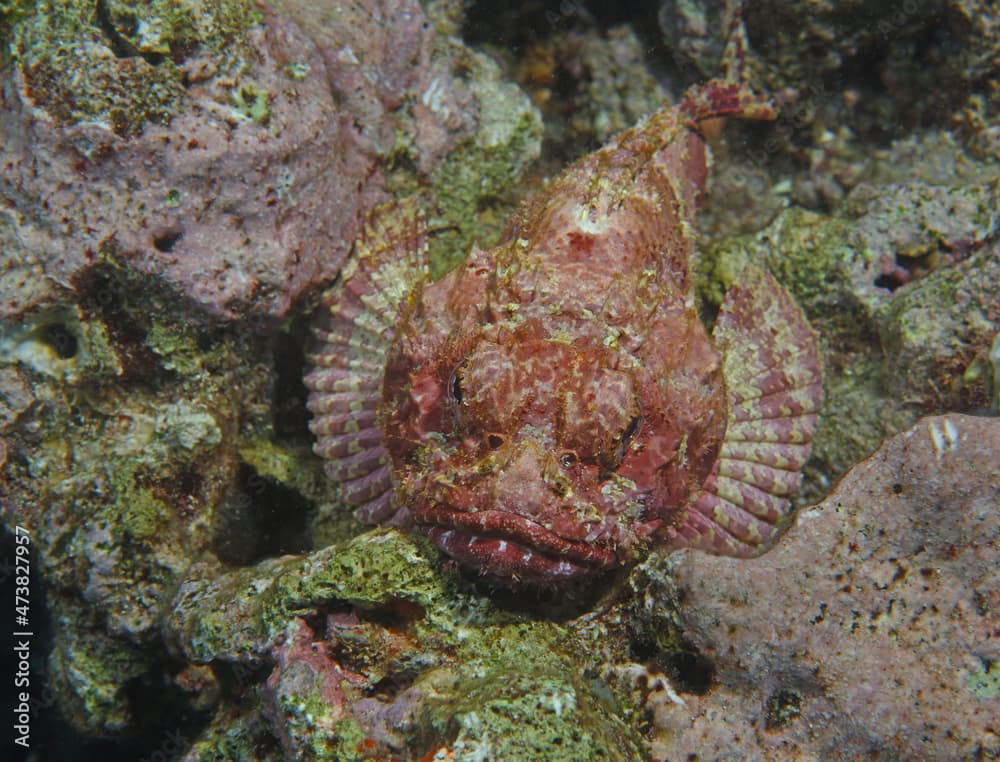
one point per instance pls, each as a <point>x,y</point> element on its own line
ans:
<point>871,630</point>
<point>227,151</point>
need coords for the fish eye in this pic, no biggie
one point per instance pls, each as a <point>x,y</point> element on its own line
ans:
<point>630,430</point>
<point>494,441</point>
<point>621,443</point>
<point>568,459</point>
<point>456,384</point>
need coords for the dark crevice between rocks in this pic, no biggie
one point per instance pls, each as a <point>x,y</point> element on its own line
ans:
<point>894,99</point>
<point>236,679</point>
<point>104,296</point>
<point>167,722</point>
<point>689,670</point>
<point>260,518</point>
<point>559,601</point>
<point>291,418</point>
<point>514,26</point>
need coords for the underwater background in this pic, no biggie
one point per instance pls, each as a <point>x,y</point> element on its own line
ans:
<point>181,180</point>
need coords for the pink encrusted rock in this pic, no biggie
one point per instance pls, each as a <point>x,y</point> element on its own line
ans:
<point>304,694</point>
<point>253,190</point>
<point>410,94</point>
<point>230,210</point>
<point>872,629</point>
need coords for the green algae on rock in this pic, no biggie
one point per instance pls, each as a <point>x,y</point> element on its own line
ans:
<point>937,335</point>
<point>843,268</point>
<point>91,671</point>
<point>533,707</point>
<point>116,464</point>
<point>452,650</point>
<point>232,616</point>
<point>479,177</point>
<point>808,252</point>
<point>902,287</point>
<point>121,64</point>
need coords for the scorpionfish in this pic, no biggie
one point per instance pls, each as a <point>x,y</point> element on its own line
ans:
<point>554,408</point>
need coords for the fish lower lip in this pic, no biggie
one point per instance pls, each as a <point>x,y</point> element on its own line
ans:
<point>532,537</point>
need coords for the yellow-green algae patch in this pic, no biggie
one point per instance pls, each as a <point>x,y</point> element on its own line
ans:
<point>491,684</point>
<point>984,681</point>
<point>121,64</point>
<point>477,184</point>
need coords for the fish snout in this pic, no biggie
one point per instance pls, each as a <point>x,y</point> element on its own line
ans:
<point>529,478</point>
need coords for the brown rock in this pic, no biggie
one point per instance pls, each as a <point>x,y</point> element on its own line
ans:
<point>873,628</point>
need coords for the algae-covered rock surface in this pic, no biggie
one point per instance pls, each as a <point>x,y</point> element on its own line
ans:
<point>369,650</point>
<point>902,285</point>
<point>179,180</point>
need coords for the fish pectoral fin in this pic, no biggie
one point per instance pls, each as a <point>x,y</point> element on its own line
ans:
<point>772,370</point>
<point>351,336</point>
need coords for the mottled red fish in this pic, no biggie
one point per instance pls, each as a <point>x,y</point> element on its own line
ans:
<point>554,408</point>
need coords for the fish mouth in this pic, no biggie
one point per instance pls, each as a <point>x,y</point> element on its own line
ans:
<point>511,547</point>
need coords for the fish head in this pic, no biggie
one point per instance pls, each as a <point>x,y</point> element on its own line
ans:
<point>516,448</point>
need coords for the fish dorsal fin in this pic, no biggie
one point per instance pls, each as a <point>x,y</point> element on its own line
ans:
<point>352,333</point>
<point>771,367</point>
<point>730,94</point>
<point>734,54</point>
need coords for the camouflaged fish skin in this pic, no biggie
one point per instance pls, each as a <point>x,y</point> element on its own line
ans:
<point>554,408</point>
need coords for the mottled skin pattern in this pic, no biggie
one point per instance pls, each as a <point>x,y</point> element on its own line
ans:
<point>554,407</point>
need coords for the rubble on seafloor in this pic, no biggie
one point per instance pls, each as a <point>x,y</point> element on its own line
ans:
<point>178,181</point>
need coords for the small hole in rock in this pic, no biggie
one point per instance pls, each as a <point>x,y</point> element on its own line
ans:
<point>690,672</point>
<point>63,341</point>
<point>165,241</point>
<point>889,282</point>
